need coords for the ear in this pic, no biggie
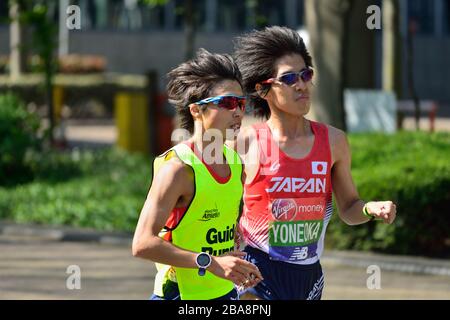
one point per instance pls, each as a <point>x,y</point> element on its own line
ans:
<point>260,90</point>
<point>195,111</point>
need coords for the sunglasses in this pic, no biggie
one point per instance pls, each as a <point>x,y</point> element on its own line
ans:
<point>293,77</point>
<point>229,102</point>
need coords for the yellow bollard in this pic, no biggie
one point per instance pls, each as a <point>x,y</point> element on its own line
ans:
<point>132,121</point>
<point>58,102</point>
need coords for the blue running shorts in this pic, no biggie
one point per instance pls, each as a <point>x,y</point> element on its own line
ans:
<point>285,281</point>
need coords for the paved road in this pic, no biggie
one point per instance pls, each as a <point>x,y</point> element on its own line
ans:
<point>92,134</point>
<point>35,268</point>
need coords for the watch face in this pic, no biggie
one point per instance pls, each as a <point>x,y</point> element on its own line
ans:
<point>203,259</point>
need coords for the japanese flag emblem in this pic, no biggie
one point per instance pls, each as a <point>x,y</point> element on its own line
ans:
<point>319,167</point>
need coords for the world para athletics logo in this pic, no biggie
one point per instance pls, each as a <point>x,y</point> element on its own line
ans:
<point>284,209</point>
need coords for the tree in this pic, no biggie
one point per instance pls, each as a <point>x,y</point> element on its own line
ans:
<point>18,54</point>
<point>34,14</point>
<point>412,28</point>
<point>343,50</point>
<point>325,22</point>
<point>392,46</point>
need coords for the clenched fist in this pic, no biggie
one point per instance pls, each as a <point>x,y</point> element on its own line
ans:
<point>383,210</point>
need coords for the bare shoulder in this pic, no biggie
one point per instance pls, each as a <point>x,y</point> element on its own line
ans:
<point>336,136</point>
<point>174,171</point>
<point>338,143</point>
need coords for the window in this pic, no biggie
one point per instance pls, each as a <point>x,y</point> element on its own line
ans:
<point>4,12</point>
<point>422,12</point>
<point>221,15</point>
<point>446,16</point>
<point>199,11</point>
<point>301,19</point>
<point>231,15</point>
<point>270,12</point>
<point>120,15</point>
<point>153,18</point>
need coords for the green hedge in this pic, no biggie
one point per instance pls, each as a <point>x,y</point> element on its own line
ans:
<point>413,170</point>
<point>18,135</point>
<point>104,190</point>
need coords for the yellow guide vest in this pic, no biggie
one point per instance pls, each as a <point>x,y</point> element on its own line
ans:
<point>207,226</point>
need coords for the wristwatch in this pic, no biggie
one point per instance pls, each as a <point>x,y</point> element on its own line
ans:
<point>203,261</point>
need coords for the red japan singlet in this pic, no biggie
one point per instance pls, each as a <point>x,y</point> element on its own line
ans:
<point>288,204</point>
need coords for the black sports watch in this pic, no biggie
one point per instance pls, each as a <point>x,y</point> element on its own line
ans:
<point>203,261</point>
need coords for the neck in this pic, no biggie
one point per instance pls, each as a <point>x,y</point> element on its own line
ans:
<point>209,147</point>
<point>291,127</point>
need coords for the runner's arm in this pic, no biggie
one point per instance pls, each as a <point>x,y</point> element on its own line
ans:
<point>169,184</point>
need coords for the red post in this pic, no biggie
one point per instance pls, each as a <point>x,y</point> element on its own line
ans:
<point>432,116</point>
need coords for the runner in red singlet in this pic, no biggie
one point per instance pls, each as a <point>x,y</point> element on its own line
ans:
<point>293,166</point>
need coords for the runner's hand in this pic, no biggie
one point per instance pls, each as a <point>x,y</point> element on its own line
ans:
<point>233,267</point>
<point>383,210</point>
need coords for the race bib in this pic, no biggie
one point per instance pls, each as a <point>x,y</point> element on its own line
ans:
<point>295,227</point>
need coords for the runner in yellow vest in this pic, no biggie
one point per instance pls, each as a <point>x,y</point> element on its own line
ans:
<point>187,224</point>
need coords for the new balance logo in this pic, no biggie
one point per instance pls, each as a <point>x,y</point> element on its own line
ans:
<point>290,184</point>
<point>319,167</point>
<point>299,254</point>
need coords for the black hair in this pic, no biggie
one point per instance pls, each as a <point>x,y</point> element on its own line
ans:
<point>256,54</point>
<point>194,80</point>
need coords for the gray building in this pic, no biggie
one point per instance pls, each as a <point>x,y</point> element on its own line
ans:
<point>135,37</point>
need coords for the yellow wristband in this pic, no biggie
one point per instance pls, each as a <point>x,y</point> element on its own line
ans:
<point>367,214</point>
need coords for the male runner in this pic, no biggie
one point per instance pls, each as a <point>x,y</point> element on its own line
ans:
<point>299,164</point>
<point>188,221</point>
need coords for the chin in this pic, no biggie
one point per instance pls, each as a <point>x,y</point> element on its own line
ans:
<point>304,109</point>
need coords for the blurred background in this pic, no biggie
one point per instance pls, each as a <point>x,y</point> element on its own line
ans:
<point>83,110</point>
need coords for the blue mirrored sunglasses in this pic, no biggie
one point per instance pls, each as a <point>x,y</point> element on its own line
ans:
<point>293,77</point>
